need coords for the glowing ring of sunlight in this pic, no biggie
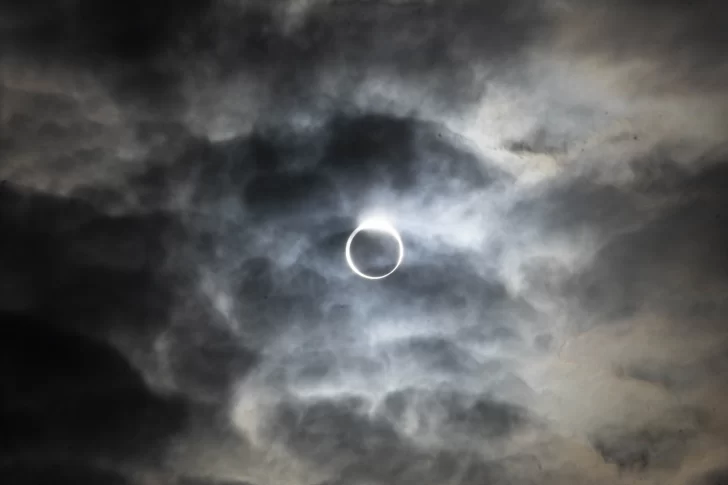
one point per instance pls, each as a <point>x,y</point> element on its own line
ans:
<point>375,225</point>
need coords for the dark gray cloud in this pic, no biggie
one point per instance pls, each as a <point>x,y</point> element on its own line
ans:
<point>180,183</point>
<point>60,474</point>
<point>714,477</point>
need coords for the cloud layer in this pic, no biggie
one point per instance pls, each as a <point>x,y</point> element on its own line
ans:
<point>179,184</point>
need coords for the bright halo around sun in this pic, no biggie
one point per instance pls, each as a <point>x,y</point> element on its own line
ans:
<point>380,226</point>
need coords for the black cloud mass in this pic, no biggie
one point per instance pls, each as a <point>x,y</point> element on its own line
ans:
<point>179,180</point>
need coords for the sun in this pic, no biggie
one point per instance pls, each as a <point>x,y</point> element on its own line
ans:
<point>380,225</point>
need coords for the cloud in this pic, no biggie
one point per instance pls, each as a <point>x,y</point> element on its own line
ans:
<point>181,183</point>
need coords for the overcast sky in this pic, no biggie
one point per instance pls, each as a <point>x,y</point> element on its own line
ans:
<point>179,181</point>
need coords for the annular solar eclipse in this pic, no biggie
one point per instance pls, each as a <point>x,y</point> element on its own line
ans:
<point>382,227</point>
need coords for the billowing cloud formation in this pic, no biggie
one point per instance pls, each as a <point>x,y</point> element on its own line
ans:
<point>179,184</point>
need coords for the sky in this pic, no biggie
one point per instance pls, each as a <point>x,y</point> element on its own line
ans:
<point>179,181</point>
